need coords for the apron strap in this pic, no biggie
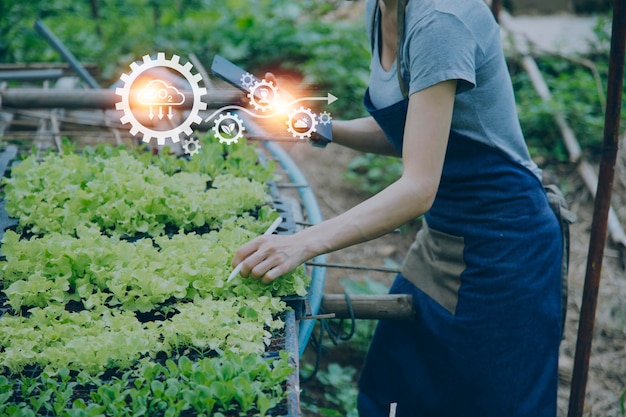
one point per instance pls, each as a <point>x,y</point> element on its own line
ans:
<point>376,29</point>
<point>401,18</point>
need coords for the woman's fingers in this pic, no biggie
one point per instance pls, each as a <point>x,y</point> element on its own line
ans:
<point>269,76</point>
<point>243,252</point>
<point>266,258</point>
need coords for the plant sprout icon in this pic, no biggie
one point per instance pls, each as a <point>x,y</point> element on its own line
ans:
<point>158,94</point>
<point>229,129</point>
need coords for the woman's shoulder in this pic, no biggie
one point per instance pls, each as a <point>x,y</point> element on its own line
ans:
<point>475,15</point>
<point>468,22</point>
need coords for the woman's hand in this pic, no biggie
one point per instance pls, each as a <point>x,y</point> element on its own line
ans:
<point>269,257</point>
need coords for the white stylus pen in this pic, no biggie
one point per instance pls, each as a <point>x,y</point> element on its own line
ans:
<point>269,231</point>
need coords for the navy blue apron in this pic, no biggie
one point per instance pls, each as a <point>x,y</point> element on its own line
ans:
<point>485,342</point>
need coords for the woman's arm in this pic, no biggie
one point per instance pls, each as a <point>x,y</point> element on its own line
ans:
<point>363,135</point>
<point>425,140</point>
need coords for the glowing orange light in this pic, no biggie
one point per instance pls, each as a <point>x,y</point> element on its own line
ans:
<point>138,86</point>
<point>283,106</point>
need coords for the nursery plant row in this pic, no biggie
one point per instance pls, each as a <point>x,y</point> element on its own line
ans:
<point>114,298</point>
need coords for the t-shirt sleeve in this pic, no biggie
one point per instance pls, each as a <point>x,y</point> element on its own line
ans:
<point>440,47</point>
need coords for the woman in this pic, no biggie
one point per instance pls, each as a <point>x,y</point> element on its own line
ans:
<point>484,270</point>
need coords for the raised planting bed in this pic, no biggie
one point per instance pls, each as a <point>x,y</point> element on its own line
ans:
<point>113,293</point>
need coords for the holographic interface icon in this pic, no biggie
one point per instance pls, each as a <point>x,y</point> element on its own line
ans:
<point>160,98</point>
<point>157,93</point>
<point>302,123</point>
<point>228,128</point>
<point>157,90</point>
<point>263,95</point>
<point>191,146</point>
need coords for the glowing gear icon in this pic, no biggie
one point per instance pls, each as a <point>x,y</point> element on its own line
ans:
<point>263,94</point>
<point>302,123</point>
<point>325,118</point>
<point>228,128</point>
<point>247,80</point>
<point>145,98</point>
<point>191,146</point>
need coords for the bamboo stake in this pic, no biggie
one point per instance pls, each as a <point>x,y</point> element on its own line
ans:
<point>600,211</point>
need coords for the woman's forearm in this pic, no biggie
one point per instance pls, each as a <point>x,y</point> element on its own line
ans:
<point>399,203</point>
<point>269,257</point>
<point>363,135</point>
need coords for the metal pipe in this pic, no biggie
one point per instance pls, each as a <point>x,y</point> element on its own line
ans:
<point>314,215</point>
<point>600,211</point>
<point>356,267</point>
<point>25,98</point>
<point>92,99</point>
<point>31,75</point>
<point>66,54</point>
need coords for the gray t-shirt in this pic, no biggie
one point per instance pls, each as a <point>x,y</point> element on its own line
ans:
<point>453,39</point>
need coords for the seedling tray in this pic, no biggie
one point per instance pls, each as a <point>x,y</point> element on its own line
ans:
<point>285,340</point>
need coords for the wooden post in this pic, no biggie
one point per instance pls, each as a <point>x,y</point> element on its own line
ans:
<point>601,207</point>
<point>370,307</point>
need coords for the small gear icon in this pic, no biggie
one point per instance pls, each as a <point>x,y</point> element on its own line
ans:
<point>260,93</point>
<point>302,123</point>
<point>191,146</point>
<point>228,128</point>
<point>325,118</point>
<point>247,80</point>
<point>136,125</point>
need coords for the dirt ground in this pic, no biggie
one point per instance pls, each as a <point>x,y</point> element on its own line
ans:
<point>324,170</point>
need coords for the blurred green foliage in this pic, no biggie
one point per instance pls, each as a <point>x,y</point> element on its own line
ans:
<point>578,85</point>
<point>340,393</point>
<point>281,35</point>
<point>374,172</point>
<point>296,39</point>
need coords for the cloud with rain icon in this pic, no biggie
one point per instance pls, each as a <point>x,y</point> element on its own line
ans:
<point>158,93</point>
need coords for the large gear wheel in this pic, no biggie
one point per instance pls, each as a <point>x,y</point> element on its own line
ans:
<point>305,129</point>
<point>136,125</point>
<point>234,130</point>
<point>259,103</point>
<point>191,146</point>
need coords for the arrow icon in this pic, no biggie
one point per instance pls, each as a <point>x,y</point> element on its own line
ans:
<point>151,114</point>
<point>329,98</point>
<point>160,112</point>
<point>169,112</point>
